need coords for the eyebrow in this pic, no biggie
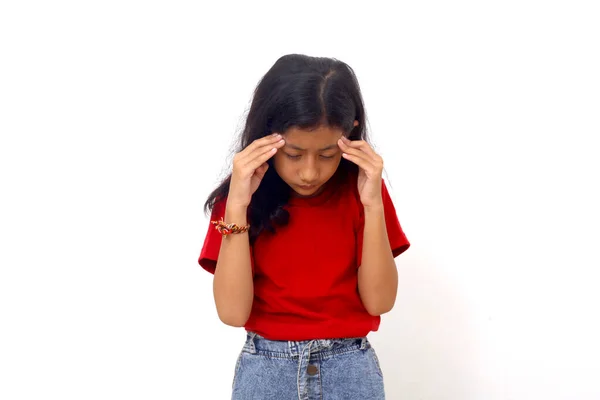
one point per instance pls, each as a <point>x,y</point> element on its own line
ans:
<point>293,146</point>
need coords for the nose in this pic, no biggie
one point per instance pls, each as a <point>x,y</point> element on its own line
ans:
<point>309,173</point>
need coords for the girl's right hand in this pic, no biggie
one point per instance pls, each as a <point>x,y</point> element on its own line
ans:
<point>249,168</point>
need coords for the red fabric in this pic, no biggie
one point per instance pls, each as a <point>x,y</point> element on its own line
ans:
<point>305,275</point>
<point>212,241</point>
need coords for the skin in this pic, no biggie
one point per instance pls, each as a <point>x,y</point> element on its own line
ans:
<point>377,275</point>
<point>308,157</point>
<point>233,284</point>
<point>305,160</point>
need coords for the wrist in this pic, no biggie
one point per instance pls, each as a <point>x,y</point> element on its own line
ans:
<point>236,214</point>
<point>375,208</point>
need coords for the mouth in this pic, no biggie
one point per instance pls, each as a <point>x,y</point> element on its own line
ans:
<point>307,187</point>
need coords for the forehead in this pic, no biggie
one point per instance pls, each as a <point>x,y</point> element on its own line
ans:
<point>315,138</point>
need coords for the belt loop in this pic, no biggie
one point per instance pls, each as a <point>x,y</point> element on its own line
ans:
<point>250,347</point>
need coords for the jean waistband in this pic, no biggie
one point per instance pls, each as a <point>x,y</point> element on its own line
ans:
<point>317,348</point>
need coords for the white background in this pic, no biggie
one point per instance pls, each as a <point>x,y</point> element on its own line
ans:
<point>117,118</point>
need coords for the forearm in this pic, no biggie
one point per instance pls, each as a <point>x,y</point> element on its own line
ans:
<point>377,275</point>
<point>233,285</point>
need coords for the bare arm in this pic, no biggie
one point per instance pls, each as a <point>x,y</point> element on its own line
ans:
<point>377,275</point>
<point>233,286</point>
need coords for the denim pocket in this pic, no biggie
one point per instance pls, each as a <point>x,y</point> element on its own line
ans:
<point>376,360</point>
<point>237,369</point>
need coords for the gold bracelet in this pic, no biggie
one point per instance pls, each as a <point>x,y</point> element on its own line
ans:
<point>227,229</point>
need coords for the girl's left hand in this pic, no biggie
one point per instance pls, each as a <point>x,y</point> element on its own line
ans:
<point>370,166</point>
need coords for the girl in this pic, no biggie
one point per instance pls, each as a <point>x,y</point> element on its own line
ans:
<point>303,237</point>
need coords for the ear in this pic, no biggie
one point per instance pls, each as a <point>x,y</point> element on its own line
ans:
<point>355,123</point>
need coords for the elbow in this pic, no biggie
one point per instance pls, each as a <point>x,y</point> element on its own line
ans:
<point>378,302</point>
<point>233,310</point>
<point>232,322</point>
<point>235,319</point>
<point>233,313</point>
<point>378,309</point>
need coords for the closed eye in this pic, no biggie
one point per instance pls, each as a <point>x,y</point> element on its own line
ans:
<point>297,157</point>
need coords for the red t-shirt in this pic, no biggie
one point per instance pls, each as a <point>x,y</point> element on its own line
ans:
<point>306,274</point>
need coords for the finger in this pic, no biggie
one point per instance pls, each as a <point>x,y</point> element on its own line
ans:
<point>257,145</point>
<point>362,145</point>
<point>360,161</point>
<point>247,164</point>
<point>372,158</point>
<point>260,143</point>
<point>260,159</point>
<point>353,143</point>
<point>261,171</point>
<point>261,149</point>
<point>354,151</point>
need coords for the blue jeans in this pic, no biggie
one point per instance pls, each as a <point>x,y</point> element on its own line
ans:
<point>323,369</point>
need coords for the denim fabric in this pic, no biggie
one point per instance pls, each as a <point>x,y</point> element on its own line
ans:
<point>321,369</point>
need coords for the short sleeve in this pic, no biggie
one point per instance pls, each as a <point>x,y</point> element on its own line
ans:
<point>212,241</point>
<point>398,241</point>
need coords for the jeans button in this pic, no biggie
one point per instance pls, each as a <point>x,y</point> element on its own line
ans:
<point>312,370</point>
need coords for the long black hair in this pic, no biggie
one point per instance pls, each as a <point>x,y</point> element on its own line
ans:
<point>304,92</point>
